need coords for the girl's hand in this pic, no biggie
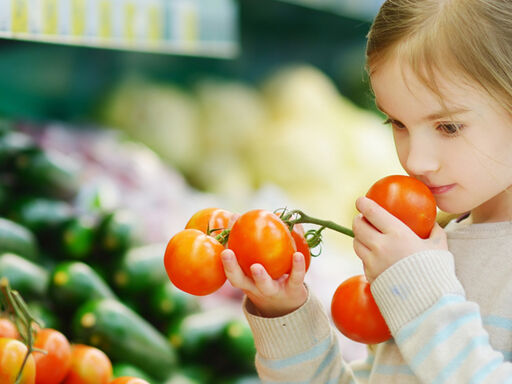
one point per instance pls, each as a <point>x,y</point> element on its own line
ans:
<point>381,239</point>
<point>272,298</point>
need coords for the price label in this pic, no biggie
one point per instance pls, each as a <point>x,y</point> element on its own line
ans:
<point>50,17</point>
<point>155,23</point>
<point>78,17</point>
<point>19,16</point>
<point>129,20</point>
<point>105,19</point>
<point>190,22</point>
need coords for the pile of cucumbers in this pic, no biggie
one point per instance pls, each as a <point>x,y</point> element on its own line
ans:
<point>83,269</point>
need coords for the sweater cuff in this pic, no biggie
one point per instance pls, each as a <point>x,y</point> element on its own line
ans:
<point>412,285</point>
<point>288,335</point>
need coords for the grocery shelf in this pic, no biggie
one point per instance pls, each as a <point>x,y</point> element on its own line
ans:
<point>188,27</point>
<point>359,9</point>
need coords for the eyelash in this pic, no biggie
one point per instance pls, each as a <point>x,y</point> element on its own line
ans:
<point>454,128</point>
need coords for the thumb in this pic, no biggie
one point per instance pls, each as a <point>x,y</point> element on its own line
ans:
<point>438,236</point>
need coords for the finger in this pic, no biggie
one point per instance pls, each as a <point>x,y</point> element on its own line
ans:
<point>296,278</point>
<point>365,232</point>
<point>233,272</point>
<point>438,235</point>
<point>362,251</point>
<point>263,281</point>
<point>381,219</point>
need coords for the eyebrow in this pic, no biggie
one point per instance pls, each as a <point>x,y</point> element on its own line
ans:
<point>436,115</point>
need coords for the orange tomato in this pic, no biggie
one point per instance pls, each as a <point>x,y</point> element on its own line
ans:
<point>192,262</point>
<point>301,243</point>
<point>53,366</point>
<point>128,380</point>
<point>259,236</point>
<point>211,218</point>
<point>12,354</point>
<point>89,365</point>
<point>8,329</point>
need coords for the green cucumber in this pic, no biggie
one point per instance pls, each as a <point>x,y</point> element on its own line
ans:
<point>29,279</point>
<point>51,173</point>
<point>12,144</point>
<point>191,374</point>
<point>78,237</point>
<point>237,343</point>
<point>117,232</point>
<point>141,269</point>
<point>17,239</point>
<point>124,336</point>
<point>167,303</point>
<point>123,369</point>
<point>72,283</point>
<point>41,215</point>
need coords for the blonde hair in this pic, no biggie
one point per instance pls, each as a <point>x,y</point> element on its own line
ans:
<point>470,38</point>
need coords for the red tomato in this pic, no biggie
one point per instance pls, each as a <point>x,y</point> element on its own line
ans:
<point>54,366</point>
<point>212,218</point>
<point>193,264</point>
<point>12,354</point>
<point>356,314</point>
<point>408,199</point>
<point>259,236</point>
<point>301,244</point>
<point>128,380</point>
<point>89,365</point>
<point>8,329</point>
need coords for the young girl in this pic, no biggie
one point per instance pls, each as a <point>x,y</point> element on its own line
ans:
<point>441,70</point>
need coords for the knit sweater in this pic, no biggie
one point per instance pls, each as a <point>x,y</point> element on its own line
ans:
<point>449,312</point>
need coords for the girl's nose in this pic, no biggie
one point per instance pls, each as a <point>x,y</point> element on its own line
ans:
<point>422,157</point>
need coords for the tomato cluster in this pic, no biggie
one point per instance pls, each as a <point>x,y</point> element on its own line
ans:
<point>192,257</point>
<point>61,362</point>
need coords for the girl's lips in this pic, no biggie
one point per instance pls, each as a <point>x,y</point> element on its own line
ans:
<point>441,189</point>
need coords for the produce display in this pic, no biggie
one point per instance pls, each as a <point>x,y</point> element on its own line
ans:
<point>95,286</point>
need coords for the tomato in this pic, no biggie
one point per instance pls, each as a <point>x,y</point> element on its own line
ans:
<point>355,313</point>
<point>408,199</point>
<point>301,244</point>
<point>212,218</point>
<point>193,264</point>
<point>12,354</point>
<point>54,366</point>
<point>259,236</point>
<point>8,329</point>
<point>89,365</point>
<point>128,380</point>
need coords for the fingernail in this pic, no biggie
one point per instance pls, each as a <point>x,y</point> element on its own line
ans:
<point>297,257</point>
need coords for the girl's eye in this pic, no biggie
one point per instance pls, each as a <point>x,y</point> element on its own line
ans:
<point>450,129</point>
<point>394,123</point>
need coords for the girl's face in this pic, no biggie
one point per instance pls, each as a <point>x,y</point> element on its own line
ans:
<point>465,156</point>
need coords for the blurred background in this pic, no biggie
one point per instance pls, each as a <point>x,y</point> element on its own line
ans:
<point>159,108</point>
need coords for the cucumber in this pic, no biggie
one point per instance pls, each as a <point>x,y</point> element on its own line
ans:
<point>72,283</point>
<point>141,269</point>
<point>237,344</point>
<point>117,232</point>
<point>53,174</point>
<point>12,144</point>
<point>123,369</point>
<point>17,239</point>
<point>244,379</point>
<point>29,279</point>
<point>78,237</point>
<point>191,374</point>
<point>124,336</point>
<point>167,303</point>
<point>41,215</point>
<point>197,337</point>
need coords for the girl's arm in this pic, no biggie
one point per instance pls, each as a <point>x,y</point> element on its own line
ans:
<point>294,339</point>
<point>439,332</point>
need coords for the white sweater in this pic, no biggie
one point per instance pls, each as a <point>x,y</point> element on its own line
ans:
<point>450,314</point>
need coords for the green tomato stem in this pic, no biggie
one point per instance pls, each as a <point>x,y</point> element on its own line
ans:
<point>23,320</point>
<point>302,218</point>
